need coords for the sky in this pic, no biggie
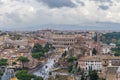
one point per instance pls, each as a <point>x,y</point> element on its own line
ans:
<point>70,14</point>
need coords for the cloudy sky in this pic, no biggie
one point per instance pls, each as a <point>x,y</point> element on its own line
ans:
<point>16,14</point>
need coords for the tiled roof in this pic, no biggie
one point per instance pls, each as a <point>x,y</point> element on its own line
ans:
<point>112,70</point>
<point>99,57</point>
<point>90,58</point>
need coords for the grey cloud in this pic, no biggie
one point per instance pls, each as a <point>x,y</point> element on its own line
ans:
<point>103,7</point>
<point>102,0</point>
<point>1,2</point>
<point>14,17</point>
<point>81,2</point>
<point>58,3</point>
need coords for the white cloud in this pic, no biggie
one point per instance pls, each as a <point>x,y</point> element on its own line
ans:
<point>23,13</point>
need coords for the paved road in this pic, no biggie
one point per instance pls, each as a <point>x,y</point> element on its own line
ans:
<point>46,68</point>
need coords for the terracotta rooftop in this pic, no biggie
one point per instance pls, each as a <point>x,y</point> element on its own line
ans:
<point>41,41</point>
<point>99,57</point>
<point>91,58</point>
<point>112,69</point>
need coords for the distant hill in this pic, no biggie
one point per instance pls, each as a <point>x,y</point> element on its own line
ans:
<point>87,26</point>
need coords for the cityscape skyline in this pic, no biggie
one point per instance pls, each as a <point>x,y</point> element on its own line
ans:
<point>59,39</point>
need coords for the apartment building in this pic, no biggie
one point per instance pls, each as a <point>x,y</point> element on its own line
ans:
<point>93,63</point>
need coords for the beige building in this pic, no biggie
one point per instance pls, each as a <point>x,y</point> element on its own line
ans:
<point>106,64</point>
<point>113,73</point>
<point>64,40</point>
<point>118,73</point>
<point>87,63</point>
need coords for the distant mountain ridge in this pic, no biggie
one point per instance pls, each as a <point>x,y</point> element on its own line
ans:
<point>96,26</point>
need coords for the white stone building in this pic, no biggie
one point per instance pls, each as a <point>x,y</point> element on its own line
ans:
<point>106,50</point>
<point>118,73</point>
<point>93,63</point>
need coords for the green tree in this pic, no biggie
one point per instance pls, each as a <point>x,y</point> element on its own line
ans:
<point>78,69</point>
<point>1,73</point>
<point>101,79</point>
<point>47,47</point>
<point>116,51</point>
<point>14,63</point>
<point>37,48</point>
<point>82,77</point>
<point>111,38</point>
<point>71,59</point>
<point>70,67</point>
<point>118,43</point>
<point>93,75</point>
<point>23,60</point>
<point>3,62</point>
<point>37,55</point>
<point>24,75</point>
<point>117,54</point>
<point>94,51</point>
<point>50,73</point>
<point>64,54</point>
<point>95,37</point>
